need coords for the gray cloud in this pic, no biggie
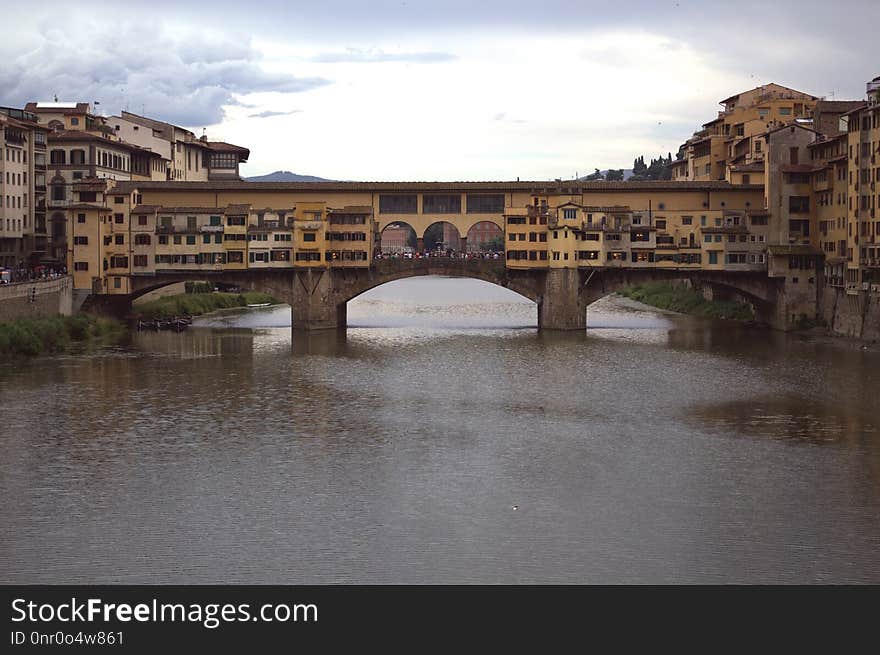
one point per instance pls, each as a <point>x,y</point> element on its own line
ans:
<point>357,55</point>
<point>270,114</point>
<point>182,78</point>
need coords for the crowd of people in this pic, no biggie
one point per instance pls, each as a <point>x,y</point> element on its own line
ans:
<point>31,273</point>
<point>447,253</point>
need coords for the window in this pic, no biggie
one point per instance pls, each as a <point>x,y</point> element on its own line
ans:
<point>793,155</point>
<point>119,261</point>
<point>163,240</point>
<point>80,241</point>
<point>569,214</point>
<point>57,157</point>
<point>142,239</point>
<point>799,204</point>
<point>177,240</point>
<point>235,220</point>
<point>118,218</point>
<point>661,223</point>
<point>438,203</point>
<point>398,203</point>
<point>77,157</point>
<point>190,222</point>
<point>713,256</point>
<point>142,220</point>
<point>687,220</point>
<point>309,236</point>
<point>80,218</point>
<point>215,220</point>
<point>222,159</point>
<point>80,266</point>
<point>485,203</point>
<point>120,239</point>
<point>140,260</point>
<point>190,239</point>
<point>785,111</point>
<point>746,179</point>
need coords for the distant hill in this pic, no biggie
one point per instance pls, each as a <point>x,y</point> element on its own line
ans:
<point>627,173</point>
<point>286,176</point>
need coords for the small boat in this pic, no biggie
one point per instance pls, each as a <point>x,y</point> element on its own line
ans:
<point>260,304</point>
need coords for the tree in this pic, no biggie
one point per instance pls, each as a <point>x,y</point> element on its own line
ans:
<point>614,175</point>
<point>495,244</point>
<point>639,167</point>
<point>592,177</point>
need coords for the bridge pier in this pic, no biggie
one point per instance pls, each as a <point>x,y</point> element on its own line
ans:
<point>561,305</point>
<point>315,304</point>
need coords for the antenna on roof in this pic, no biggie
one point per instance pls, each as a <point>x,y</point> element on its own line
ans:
<point>56,97</point>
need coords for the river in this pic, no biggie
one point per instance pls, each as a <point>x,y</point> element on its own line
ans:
<point>443,439</point>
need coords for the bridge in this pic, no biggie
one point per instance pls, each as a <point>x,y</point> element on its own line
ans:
<point>318,296</point>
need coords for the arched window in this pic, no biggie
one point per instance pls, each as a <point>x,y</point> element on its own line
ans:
<point>77,156</point>
<point>58,157</point>
<point>56,125</point>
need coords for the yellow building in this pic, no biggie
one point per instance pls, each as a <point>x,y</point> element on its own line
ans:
<point>863,179</point>
<point>155,228</point>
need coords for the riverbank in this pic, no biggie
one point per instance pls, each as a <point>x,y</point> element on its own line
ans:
<point>683,299</point>
<point>29,337</point>
<point>195,304</point>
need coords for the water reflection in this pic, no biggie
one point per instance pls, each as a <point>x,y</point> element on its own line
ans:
<point>650,448</point>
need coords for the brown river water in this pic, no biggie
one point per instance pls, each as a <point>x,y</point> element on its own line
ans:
<point>652,448</point>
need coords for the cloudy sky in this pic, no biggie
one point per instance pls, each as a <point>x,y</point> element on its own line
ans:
<point>430,90</point>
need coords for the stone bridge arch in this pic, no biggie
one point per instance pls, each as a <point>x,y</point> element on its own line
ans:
<point>318,296</point>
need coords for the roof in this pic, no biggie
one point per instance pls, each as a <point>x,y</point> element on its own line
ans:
<point>773,130</point>
<point>765,86</point>
<point>353,209</point>
<point>238,209</point>
<point>222,146</point>
<point>793,249</point>
<point>836,106</point>
<point>145,209</point>
<point>540,186</point>
<point>186,209</point>
<point>754,167</point>
<point>799,168</point>
<point>56,107</point>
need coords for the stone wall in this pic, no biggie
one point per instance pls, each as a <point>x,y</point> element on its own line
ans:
<point>851,315</point>
<point>36,299</point>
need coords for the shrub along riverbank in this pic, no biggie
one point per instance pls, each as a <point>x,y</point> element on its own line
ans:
<point>30,337</point>
<point>683,299</point>
<point>193,304</point>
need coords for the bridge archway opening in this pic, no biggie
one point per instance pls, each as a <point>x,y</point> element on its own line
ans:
<point>441,302</point>
<point>397,237</point>
<point>442,235</point>
<point>485,236</point>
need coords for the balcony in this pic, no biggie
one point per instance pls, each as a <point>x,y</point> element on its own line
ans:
<point>209,228</point>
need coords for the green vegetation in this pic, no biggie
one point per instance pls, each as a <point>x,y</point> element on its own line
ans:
<point>38,336</point>
<point>679,298</point>
<point>193,304</point>
<point>198,287</point>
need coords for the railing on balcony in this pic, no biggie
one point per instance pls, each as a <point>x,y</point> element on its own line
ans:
<point>210,228</point>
